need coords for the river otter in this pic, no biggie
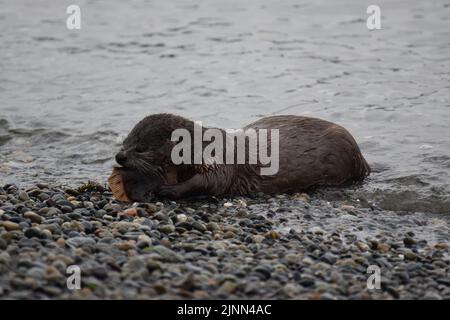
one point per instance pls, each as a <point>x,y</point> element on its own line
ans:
<point>312,152</point>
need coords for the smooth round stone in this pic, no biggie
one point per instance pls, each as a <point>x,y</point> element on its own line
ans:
<point>53,212</point>
<point>63,202</point>
<point>199,226</point>
<point>25,242</point>
<point>23,196</point>
<point>36,273</point>
<point>80,241</point>
<point>107,217</point>
<point>125,245</point>
<point>88,204</point>
<point>34,217</point>
<point>145,228</point>
<point>181,218</point>
<point>167,228</point>
<point>11,188</point>
<point>229,235</point>
<point>74,234</point>
<point>329,258</point>
<point>168,254</point>
<point>144,238</point>
<point>43,196</point>
<point>409,241</point>
<point>3,244</point>
<point>58,196</point>
<point>410,255</point>
<point>72,192</point>
<point>161,216</point>
<point>99,213</point>
<point>142,244</point>
<point>131,212</point>
<point>88,227</point>
<point>212,226</point>
<point>74,215</point>
<point>264,271</point>
<point>257,238</point>
<point>112,207</point>
<point>10,226</point>
<point>307,281</point>
<point>132,235</point>
<point>66,209</point>
<point>81,211</point>
<point>35,233</point>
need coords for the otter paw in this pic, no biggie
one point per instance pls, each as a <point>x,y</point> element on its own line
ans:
<point>170,192</point>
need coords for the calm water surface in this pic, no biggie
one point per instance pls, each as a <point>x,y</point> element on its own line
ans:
<point>67,98</point>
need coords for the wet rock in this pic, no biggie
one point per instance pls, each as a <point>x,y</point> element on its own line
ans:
<point>181,218</point>
<point>228,287</point>
<point>167,254</point>
<point>167,228</point>
<point>409,255</point>
<point>10,226</point>
<point>34,217</point>
<point>409,241</point>
<point>131,212</point>
<point>35,233</point>
<point>199,226</point>
<point>3,244</point>
<point>329,258</point>
<point>80,241</point>
<point>432,296</point>
<point>362,246</point>
<point>23,196</point>
<point>383,247</point>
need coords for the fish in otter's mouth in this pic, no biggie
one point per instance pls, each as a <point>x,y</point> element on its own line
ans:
<point>139,179</point>
<point>130,161</point>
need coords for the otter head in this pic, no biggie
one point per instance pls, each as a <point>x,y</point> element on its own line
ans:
<point>148,147</point>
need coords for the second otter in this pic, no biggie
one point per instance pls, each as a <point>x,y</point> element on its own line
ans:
<point>312,152</point>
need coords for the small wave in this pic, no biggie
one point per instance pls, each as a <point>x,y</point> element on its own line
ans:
<point>46,38</point>
<point>413,202</point>
<point>97,160</point>
<point>4,139</point>
<point>416,180</point>
<point>54,136</point>
<point>4,124</point>
<point>423,199</point>
<point>440,160</point>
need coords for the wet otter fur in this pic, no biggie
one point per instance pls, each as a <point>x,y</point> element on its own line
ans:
<point>312,153</point>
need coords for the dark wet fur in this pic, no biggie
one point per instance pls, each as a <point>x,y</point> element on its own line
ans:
<point>313,153</point>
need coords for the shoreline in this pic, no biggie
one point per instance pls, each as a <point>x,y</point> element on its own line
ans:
<point>263,247</point>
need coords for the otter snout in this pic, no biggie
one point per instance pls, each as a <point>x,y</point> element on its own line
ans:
<point>121,157</point>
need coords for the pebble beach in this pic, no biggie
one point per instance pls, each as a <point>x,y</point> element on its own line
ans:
<point>208,248</point>
<point>68,98</point>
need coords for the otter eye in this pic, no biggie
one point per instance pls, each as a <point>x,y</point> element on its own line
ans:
<point>140,148</point>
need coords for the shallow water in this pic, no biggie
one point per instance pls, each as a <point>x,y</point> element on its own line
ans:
<point>69,97</point>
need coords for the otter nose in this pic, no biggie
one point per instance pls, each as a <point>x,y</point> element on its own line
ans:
<point>121,157</point>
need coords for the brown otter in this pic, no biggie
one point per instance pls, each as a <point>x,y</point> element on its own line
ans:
<point>312,152</point>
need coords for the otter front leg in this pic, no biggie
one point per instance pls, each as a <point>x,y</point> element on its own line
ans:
<point>197,184</point>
